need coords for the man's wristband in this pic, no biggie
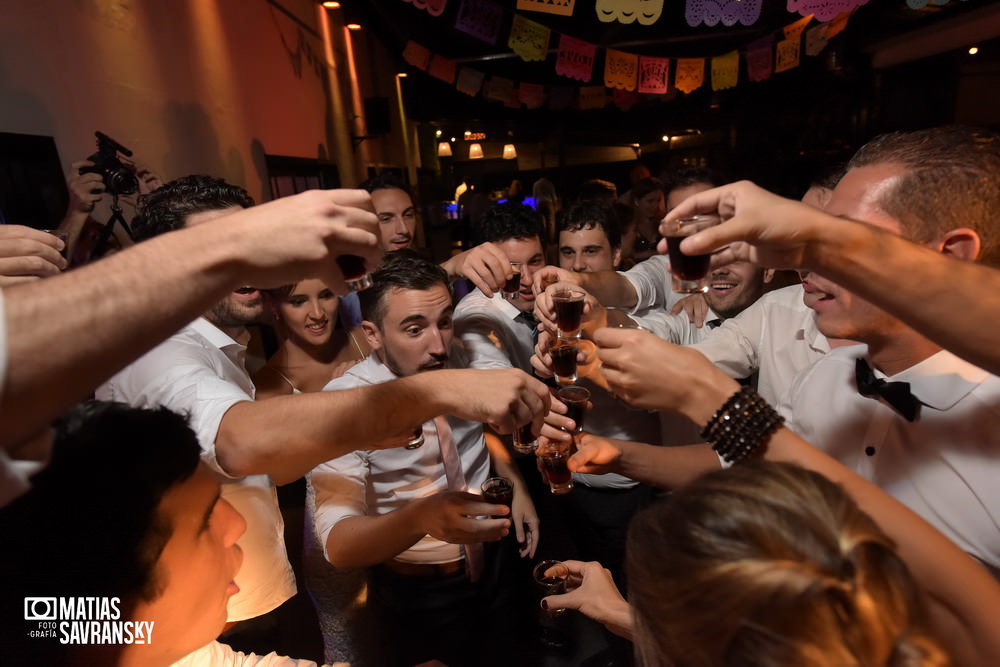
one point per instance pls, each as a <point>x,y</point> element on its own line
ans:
<point>741,425</point>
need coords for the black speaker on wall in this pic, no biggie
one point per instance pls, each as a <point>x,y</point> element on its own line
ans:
<point>377,115</point>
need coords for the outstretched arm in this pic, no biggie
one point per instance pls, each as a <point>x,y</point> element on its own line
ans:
<point>363,541</point>
<point>287,436</point>
<point>125,307</point>
<point>946,299</point>
<point>965,596</point>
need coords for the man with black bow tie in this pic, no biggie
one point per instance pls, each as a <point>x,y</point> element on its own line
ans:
<point>933,444</point>
<point>899,410</point>
<point>501,330</point>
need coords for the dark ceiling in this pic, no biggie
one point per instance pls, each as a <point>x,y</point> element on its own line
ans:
<point>396,22</point>
<point>823,108</point>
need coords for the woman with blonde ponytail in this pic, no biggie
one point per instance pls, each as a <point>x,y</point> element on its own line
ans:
<point>771,564</point>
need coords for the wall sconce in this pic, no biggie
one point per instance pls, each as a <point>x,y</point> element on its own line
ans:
<point>330,4</point>
<point>353,27</point>
<point>509,152</point>
<point>444,149</point>
<point>475,152</point>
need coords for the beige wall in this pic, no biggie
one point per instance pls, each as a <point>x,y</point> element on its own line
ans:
<point>206,86</point>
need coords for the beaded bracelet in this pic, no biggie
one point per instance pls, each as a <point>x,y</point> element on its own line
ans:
<point>741,425</point>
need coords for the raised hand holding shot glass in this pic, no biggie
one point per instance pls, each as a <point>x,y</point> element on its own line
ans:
<point>563,353</point>
<point>576,399</point>
<point>553,455</point>
<point>549,584</point>
<point>688,270</point>
<point>499,491</point>
<point>355,275</point>
<point>513,284</point>
<point>524,439</point>
<point>569,312</point>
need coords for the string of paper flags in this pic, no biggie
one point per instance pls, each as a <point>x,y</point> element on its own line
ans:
<point>626,74</point>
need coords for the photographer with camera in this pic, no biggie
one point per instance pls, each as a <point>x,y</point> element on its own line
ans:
<point>87,181</point>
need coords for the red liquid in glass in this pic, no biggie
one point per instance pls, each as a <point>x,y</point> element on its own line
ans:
<point>686,267</point>
<point>352,266</point>
<point>568,314</point>
<point>564,359</point>
<point>555,469</point>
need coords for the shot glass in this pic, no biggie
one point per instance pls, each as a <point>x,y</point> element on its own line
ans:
<point>353,268</point>
<point>499,491</point>
<point>563,352</point>
<point>569,312</point>
<point>513,284</point>
<point>689,270</point>
<point>524,441</point>
<point>416,438</point>
<point>549,585</point>
<point>576,399</point>
<point>554,456</point>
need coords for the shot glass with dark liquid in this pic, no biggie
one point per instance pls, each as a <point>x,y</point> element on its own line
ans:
<point>549,585</point>
<point>513,284</point>
<point>523,439</point>
<point>353,268</point>
<point>563,353</point>
<point>569,312</point>
<point>499,491</point>
<point>576,400</point>
<point>689,270</point>
<point>554,456</point>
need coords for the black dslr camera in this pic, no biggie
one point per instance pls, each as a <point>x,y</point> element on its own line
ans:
<point>119,178</point>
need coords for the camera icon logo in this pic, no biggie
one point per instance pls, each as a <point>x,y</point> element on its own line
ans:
<point>40,609</point>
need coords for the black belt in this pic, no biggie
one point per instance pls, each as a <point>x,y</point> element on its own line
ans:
<point>424,569</point>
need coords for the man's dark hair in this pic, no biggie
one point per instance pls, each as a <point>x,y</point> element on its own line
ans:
<point>400,269</point>
<point>511,220</point>
<point>166,208</point>
<point>646,186</point>
<point>384,181</point>
<point>89,526</point>
<point>597,189</point>
<point>688,175</point>
<point>591,215</point>
<point>951,179</point>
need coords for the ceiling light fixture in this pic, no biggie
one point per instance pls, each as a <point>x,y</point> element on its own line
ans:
<point>353,26</point>
<point>509,152</point>
<point>475,152</point>
<point>330,4</point>
<point>974,50</point>
<point>444,149</point>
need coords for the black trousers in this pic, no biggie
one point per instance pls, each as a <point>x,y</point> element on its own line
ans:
<point>447,617</point>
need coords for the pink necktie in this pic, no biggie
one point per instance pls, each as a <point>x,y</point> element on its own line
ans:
<point>474,558</point>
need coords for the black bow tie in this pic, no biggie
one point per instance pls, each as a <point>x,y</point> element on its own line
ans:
<point>896,394</point>
<point>712,324</point>
<point>528,319</point>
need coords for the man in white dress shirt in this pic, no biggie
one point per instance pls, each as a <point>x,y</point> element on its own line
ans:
<point>200,371</point>
<point>500,330</point>
<point>931,444</point>
<point>252,445</point>
<point>415,516</point>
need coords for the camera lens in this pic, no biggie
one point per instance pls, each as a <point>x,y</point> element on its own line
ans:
<point>122,181</point>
